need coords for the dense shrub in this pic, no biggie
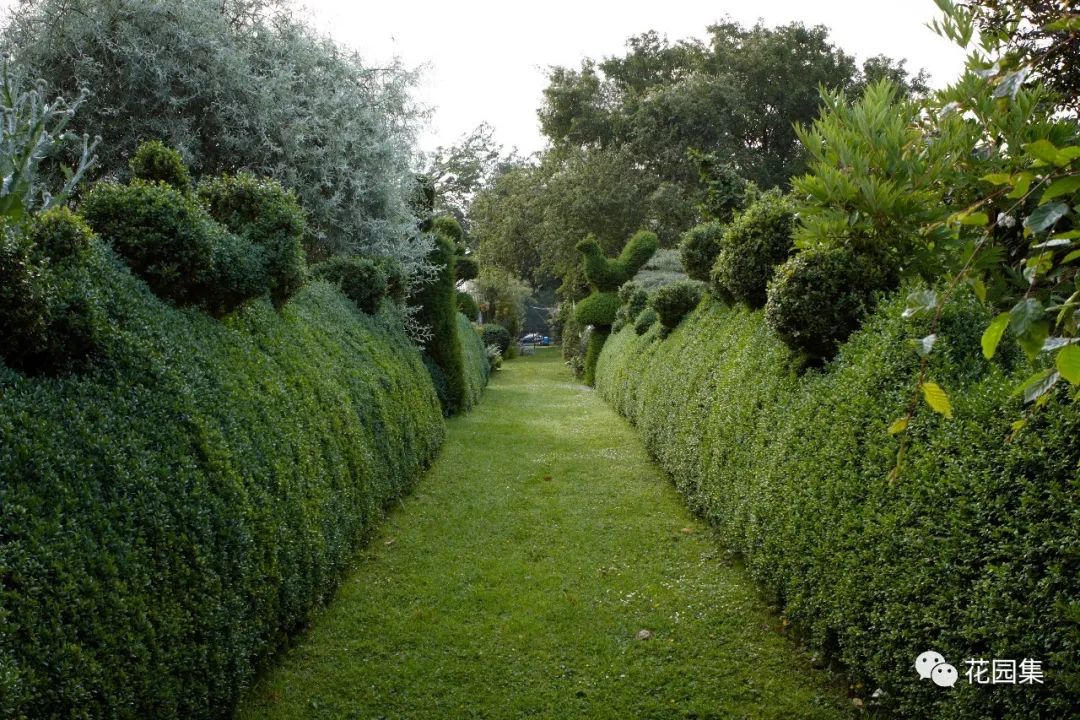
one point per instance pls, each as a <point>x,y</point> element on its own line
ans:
<point>172,243</point>
<point>60,235</point>
<point>466,267</point>
<point>673,302</point>
<point>477,364</point>
<point>820,296</point>
<point>437,303</point>
<point>170,515</point>
<point>606,274</point>
<point>268,217</point>
<point>24,297</point>
<point>495,334</point>
<point>156,162</point>
<point>699,247</point>
<point>598,309</point>
<point>467,306</point>
<point>449,228</point>
<point>969,550</point>
<point>633,299</point>
<point>360,279</point>
<point>756,241</point>
<point>397,282</point>
<point>645,320</point>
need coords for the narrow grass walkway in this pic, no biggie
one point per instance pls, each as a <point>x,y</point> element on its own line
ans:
<point>517,581</point>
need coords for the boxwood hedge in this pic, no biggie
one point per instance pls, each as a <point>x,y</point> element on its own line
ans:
<point>169,515</point>
<point>477,367</point>
<point>971,551</point>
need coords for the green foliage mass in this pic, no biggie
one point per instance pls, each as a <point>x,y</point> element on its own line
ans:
<point>268,217</point>
<point>437,303</point>
<point>645,320</point>
<point>173,512</point>
<point>598,309</point>
<point>477,366</point>
<point>699,247</point>
<point>495,334</point>
<point>361,280</point>
<point>467,306</point>
<point>756,241</point>
<point>596,337</point>
<point>605,274</point>
<point>156,162</point>
<point>633,299</point>
<point>820,296</point>
<point>672,302</point>
<point>969,550</point>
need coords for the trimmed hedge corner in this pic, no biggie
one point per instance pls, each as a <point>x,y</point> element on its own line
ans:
<point>171,514</point>
<point>970,551</point>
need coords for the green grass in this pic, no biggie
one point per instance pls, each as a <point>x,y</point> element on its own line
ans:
<point>514,582</point>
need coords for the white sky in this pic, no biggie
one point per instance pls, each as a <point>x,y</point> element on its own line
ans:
<point>486,60</point>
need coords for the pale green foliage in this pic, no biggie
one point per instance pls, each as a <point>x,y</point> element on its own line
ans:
<point>240,84</point>
<point>502,298</point>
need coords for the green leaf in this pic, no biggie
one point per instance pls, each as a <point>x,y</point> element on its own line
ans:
<point>899,426</point>
<point>1061,186</point>
<point>1070,235</point>
<point>1067,363</point>
<point>992,336</point>
<point>998,178</point>
<point>1021,184</point>
<point>1032,341</point>
<point>1068,23</point>
<point>1070,257</point>
<point>1045,216</point>
<point>975,218</point>
<point>980,289</point>
<point>937,399</point>
<point>1037,385</point>
<point>1043,150</point>
<point>919,302</point>
<point>1025,314</point>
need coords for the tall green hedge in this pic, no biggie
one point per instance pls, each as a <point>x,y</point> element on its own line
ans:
<point>971,551</point>
<point>438,311</point>
<point>477,367</point>
<point>170,515</point>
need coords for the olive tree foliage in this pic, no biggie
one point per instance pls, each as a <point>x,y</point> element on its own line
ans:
<point>239,85</point>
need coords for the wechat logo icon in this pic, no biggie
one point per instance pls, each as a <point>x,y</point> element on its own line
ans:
<point>931,665</point>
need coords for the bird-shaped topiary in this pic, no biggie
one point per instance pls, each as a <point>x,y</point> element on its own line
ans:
<point>605,275</point>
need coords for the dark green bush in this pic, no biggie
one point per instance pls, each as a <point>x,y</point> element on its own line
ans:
<point>495,334</point>
<point>699,247</point>
<point>25,297</point>
<point>360,279</point>
<point>170,241</point>
<point>598,309</point>
<point>467,267</point>
<point>477,365</point>
<point>60,234</point>
<point>756,241</point>
<point>268,217</point>
<point>396,278</point>
<point>645,320</point>
<point>969,551</point>
<point>438,311</point>
<point>819,297</point>
<point>633,299</point>
<point>171,515</point>
<point>467,306</point>
<point>154,161</point>
<point>672,302</point>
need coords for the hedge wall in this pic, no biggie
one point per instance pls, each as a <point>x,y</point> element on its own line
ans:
<point>477,367</point>
<point>168,517</point>
<point>972,551</point>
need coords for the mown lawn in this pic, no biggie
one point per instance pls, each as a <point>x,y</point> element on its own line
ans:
<point>518,578</point>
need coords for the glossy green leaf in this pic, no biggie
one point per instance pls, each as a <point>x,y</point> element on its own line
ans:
<point>937,399</point>
<point>1043,150</point>
<point>1067,363</point>
<point>992,335</point>
<point>1045,216</point>
<point>1025,314</point>
<point>1061,186</point>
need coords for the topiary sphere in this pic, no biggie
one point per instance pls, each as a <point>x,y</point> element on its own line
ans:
<point>60,234</point>
<point>449,228</point>
<point>819,297</point>
<point>699,247</point>
<point>155,161</point>
<point>672,302</point>
<point>598,309</point>
<point>360,279</point>
<point>755,242</point>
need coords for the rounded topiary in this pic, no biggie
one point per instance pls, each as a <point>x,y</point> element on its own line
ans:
<point>25,294</point>
<point>171,242</point>
<point>645,320</point>
<point>467,306</point>
<point>266,215</point>
<point>467,267</point>
<point>361,279</point>
<point>449,228</point>
<point>699,247</point>
<point>819,297</point>
<point>495,334</point>
<point>672,302</point>
<point>155,161</point>
<point>633,299</point>
<point>598,309</point>
<point>60,234</point>
<point>756,241</point>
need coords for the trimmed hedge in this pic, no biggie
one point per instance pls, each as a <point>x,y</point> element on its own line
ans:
<point>466,305</point>
<point>437,303</point>
<point>672,302</point>
<point>756,241</point>
<point>598,309</point>
<point>971,551</point>
<point>699,247</point>
<point>173,513</point>
<point>154,162</point>
<point>477,365</point>
<point>360,279</point>
<point>495,334</point>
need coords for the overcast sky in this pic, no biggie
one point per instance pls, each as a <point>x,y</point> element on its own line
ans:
<point>486,60</point>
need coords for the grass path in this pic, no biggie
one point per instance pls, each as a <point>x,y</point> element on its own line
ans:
<point>514,583</point>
